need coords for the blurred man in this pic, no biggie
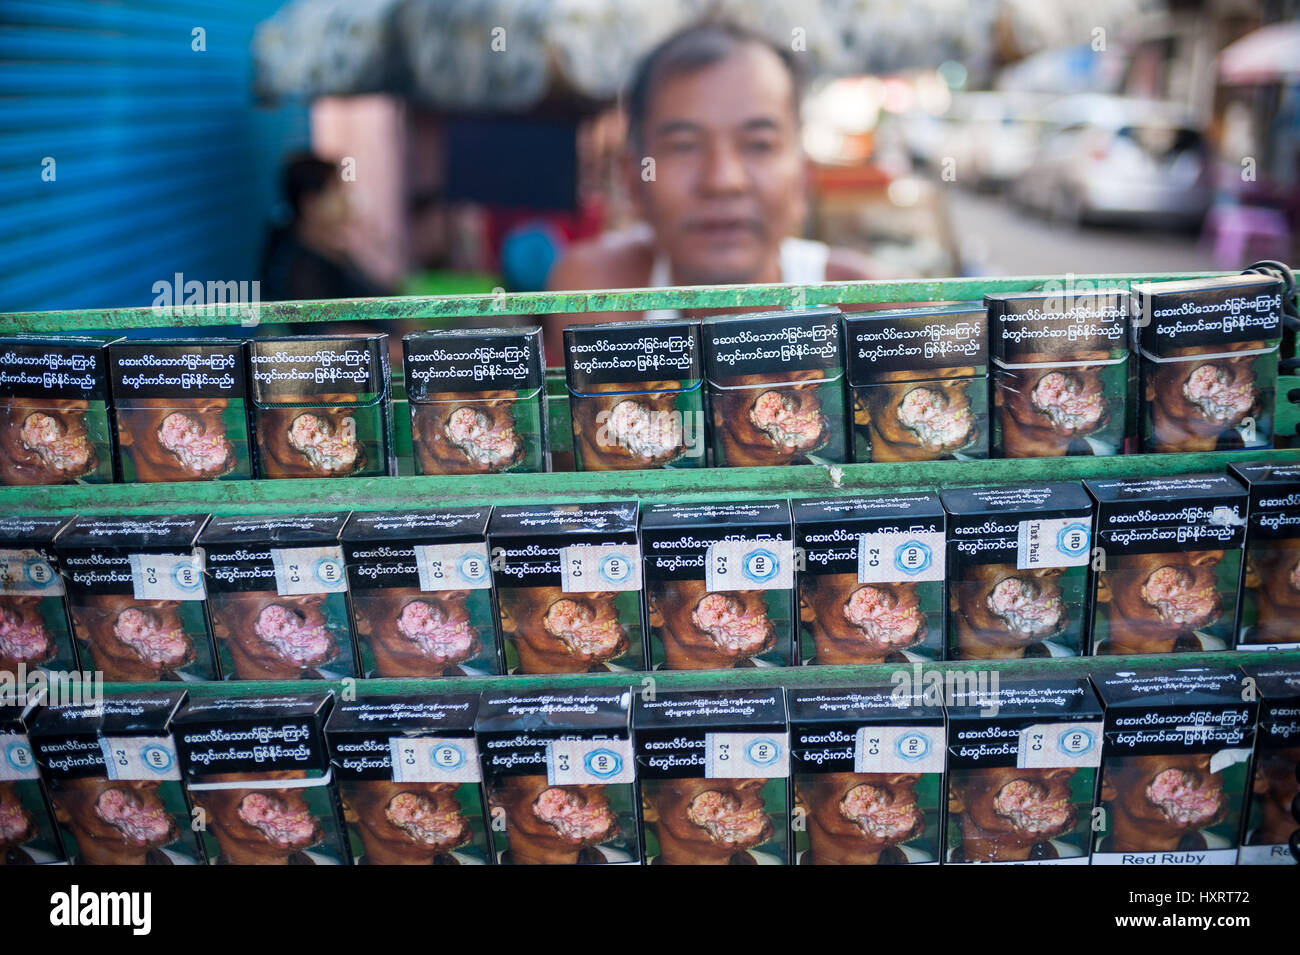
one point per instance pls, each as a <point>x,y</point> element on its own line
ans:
<point>716,108</point>
<point>308,258</point>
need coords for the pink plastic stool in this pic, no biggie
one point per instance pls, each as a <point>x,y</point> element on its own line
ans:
<point>1241,234</point>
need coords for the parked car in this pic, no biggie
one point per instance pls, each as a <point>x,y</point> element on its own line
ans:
<point>988,137</point>
<point>1110,158</point>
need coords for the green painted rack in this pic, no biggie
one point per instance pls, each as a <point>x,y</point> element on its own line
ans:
<point>806,481</point>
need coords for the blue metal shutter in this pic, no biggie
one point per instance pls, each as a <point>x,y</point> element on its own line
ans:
<point>163,163</point>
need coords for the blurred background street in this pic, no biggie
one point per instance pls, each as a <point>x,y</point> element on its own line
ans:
<point>346,148</point>
<point>1002,239</point>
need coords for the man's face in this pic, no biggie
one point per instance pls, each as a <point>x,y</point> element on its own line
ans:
<point>410,818</point>
<point>1168,793</point>
<point>1018,807</point>
<point>869,620</point>
<point>566,817</point>
<point>562,633</point>
<point>1007,607</point>
<point>729,174</point>
<point>1164,593</point>
<point>703,630</point>
<point>129,815</point>
<point>871,810</point>
<point>261,821</point>
<point>16,824</point>
<point>710,814</point>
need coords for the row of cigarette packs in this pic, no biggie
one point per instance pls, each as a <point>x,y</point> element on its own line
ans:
<point>1112,566</point>
<point>94,410</point>
<point>1172,366</point>
<point>1038,374</point>
<point>1147,767</point>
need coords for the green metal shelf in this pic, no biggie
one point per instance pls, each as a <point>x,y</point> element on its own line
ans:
<point>232,497</point>
<point>700,484</point>
<point>433,308</point>
<point>750,677</point>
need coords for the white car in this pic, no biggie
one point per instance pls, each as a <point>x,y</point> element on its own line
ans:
<point>1110,158</point>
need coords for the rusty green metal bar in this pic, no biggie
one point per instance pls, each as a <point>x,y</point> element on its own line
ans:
<point>697,484</point>
<point>667,680</point>
<point>430,308</point>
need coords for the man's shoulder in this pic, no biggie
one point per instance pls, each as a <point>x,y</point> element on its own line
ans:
<point>620,259</point>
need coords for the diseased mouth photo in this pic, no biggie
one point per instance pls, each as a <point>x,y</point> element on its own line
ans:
<point>287,632</point>
<point>283,827</point>
<point>418,817</point>
<point>144,633</point>
<point>729,819</point>
<point>927,414</point>
<point>16,824</point>
<point>326,449</point>
<point>876,612</point>
<point>576,625</point>
<point>197,450</point>
<point>437,636</point>
<point>1028,806</point>
<point>486,445</point>
<point>58,450</point>
<point>878,815</point>
<point>576,820</point>
<point>1022,606</point>
<point>644,432</point>
<point>778,416</point>
<point>731,629</point>
<point>1180,796</point>
<point>22,641</point>
<point>1173,593</point>
<point>1211,388</point>
<point>1068,403</point>
<point>141,821</point>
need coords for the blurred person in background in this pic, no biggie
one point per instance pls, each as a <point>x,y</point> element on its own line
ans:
<point>307,258</point>
<point>716,107</point>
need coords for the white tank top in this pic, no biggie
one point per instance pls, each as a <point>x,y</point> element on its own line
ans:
<point>803,262</point>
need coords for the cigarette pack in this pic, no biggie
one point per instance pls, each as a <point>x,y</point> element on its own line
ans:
<point>409,777</point>
<point>1022,771</point>
<point>321,406</point>
<point>1165,574</point>
<point>918,383</point>
<point>1207,352</point>
<point>568,586</point>
<point>1270,580</point>
<point>635,395</point>
<point>114,780</point>
<point>870,578</point>
<point>258,773</point>
<point>714,774</point>
<point>278,596</point>
<point>1176,770</point>
<point>558,770</point>
<point>135,596</point>
<point>181,409</point>
<point>719,585</point>
<point>477,400</point>
<point>420,588</point>
<point>55,420</point>
<point>1018,571</point>
<point>775,385</point>
<point>867,765</point>
<point>1060,372</point>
